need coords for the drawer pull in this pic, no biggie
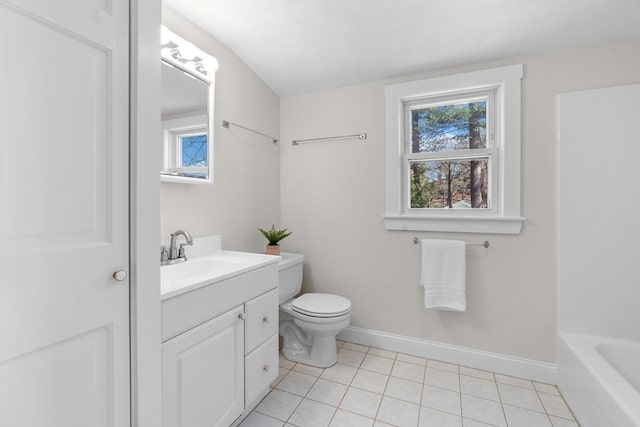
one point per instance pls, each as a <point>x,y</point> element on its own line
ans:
<point>266,367</point>
<point>241,316</point>
<point>265,319</point>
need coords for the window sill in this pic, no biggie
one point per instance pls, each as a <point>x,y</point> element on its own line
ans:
<point>456,224</point>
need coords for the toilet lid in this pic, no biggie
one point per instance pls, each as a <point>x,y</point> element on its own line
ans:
<point>321,305</point>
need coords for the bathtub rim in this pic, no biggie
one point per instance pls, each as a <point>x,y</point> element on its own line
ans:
<point>622,393</point>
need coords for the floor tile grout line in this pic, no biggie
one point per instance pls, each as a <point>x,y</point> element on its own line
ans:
<point>381,397</point>
<point>546,411</point>
<point>459,396</point>
<point>288,392</point>
<point>573,417</point>
<point>303,398</point>
<point>504,414</point>
<point>422,393</point>
<point>385,387</point>
<point>345,392</point>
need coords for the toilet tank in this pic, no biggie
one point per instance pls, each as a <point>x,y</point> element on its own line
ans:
<point>290,277</point>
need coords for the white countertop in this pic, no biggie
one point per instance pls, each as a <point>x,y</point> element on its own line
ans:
<point>207,264</point>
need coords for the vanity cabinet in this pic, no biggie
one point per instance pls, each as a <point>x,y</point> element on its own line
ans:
<point>221,349</point>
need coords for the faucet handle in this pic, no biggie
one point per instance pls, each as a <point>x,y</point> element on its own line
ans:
<point>181,253</point>
<point>164,254</point>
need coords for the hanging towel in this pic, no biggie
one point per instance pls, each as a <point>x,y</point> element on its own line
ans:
<point>443,274</point>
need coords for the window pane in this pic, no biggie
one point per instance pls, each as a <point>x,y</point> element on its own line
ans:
<point>456,126</point>
<point>456,184</point>
<point>194,150</point>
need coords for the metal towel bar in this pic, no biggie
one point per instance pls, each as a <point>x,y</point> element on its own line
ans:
<point>329,138</point>
<point>226,124</point>
<point>484,244</point>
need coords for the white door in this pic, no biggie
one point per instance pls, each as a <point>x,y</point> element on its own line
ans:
<point>203,374</point>
<point>64,322</point>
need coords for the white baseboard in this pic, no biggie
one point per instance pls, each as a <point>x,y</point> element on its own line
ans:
<point>465,356</point>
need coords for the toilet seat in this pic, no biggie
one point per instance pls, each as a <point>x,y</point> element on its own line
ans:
<point>321,305</point>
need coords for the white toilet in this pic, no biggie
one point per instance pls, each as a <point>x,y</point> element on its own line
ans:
<point>309,323</point>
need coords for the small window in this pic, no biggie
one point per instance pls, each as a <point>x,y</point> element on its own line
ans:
<point>186,147</point>
<point>193,150</point>
<point>453,153</point>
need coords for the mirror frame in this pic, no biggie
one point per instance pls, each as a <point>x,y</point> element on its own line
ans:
<point>203,67</point>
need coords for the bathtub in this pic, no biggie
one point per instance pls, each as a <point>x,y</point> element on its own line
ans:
<point>600,379</point>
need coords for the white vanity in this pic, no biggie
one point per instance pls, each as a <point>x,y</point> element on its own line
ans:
<point>219,334</point>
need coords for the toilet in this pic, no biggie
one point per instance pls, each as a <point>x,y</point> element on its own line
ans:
<point>310,322</point>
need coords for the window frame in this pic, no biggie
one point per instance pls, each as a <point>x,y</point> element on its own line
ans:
<point>503,216</point>
<point>172,130</point>
<point>490,152</point>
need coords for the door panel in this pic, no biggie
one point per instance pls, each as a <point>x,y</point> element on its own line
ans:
<point>58,157</point>
<point>64,326</point>
<point>36,376</point>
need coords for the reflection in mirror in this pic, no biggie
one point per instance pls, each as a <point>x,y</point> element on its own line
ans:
<point>187,104</point>
<point>184,124</point>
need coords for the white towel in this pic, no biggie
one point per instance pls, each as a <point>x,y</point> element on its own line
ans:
<point>443,274</point>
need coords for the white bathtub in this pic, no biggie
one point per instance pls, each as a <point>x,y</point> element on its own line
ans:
<point>600,379</point>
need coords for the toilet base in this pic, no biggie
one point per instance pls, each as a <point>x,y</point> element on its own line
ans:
<point>310,340</point>
<point>322,353</point>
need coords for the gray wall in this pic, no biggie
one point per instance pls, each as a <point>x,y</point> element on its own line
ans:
<point>333,201</point>
<point>246,191</point>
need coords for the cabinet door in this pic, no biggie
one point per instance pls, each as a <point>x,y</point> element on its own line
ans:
<point>203,373</point>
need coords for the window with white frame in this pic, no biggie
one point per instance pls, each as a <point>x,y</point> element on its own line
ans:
<point>186,147</point>
<point>189,152</point>
<point>453,153</point>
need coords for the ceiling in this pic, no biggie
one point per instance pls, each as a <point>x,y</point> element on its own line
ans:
<point>298,46</point>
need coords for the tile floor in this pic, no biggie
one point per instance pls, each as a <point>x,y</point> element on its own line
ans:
<point>374,387</point>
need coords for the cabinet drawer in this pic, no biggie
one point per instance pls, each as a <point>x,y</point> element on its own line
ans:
<point>261,368</point>
<point>262,319</point>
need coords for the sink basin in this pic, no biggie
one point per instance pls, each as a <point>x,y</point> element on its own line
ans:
<point>196,269</point>
<point>208,269</point>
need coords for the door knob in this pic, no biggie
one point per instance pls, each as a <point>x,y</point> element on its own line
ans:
<point>120,275</point>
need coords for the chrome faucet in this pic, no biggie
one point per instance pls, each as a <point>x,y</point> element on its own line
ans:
<point>176,255</point>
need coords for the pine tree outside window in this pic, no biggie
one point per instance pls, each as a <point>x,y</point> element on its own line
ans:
<point>453,153</point>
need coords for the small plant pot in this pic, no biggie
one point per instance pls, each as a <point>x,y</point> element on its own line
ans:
<point>273,249</point>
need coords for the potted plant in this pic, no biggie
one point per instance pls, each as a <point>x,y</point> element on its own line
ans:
<point>274,236</point>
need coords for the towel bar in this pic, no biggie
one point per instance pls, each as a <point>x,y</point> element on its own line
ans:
<point>484,244</point>
<point>329,138</point>
<point>226,124</point>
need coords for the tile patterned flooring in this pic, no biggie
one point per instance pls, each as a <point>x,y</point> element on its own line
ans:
<point>374,387</point>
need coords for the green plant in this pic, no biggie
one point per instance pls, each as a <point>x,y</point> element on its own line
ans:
<point>273,235</point>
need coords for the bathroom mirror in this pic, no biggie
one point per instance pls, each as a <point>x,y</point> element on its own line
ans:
<point>187,111</point>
